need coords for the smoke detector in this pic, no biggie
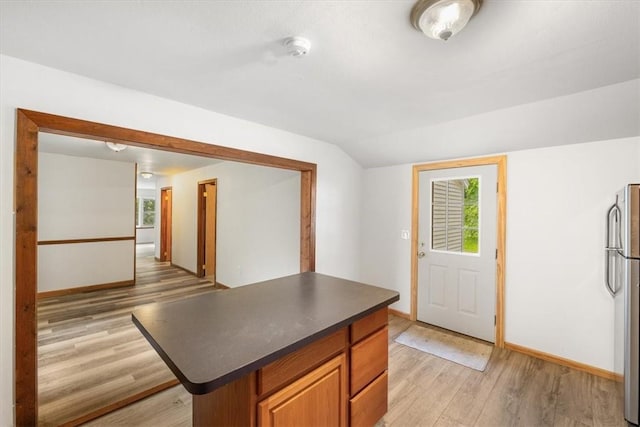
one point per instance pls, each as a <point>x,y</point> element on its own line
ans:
<point>297,46</point>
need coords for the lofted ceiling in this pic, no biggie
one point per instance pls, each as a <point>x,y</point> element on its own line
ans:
<point>522,74</point>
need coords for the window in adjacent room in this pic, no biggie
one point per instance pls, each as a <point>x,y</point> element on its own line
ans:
<point>145,212</point>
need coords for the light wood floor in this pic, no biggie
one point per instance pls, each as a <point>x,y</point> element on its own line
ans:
<point>91,356</point>
<point>424,390</point>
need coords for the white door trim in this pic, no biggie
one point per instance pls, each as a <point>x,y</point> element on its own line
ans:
<point>501,163</point>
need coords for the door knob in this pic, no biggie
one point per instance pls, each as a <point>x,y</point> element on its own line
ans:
<point>421,254</point>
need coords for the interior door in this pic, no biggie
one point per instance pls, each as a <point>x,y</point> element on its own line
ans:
<point>166,203</point>
<point>207,201</point>
<point>457,249</point>
<point>210,229</point>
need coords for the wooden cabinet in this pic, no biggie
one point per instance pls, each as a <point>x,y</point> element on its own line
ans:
<point>317,399</point>
<point>337,380</point>
<point>338,393</point>
<point>368,375</point>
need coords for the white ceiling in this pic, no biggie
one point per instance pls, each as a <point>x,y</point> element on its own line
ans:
<point>371,83</point>
<point>160,163</point>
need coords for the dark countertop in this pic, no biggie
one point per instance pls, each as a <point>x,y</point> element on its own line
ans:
<point>213,339</point>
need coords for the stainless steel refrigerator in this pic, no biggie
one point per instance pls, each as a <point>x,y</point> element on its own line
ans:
<point>622,279</point>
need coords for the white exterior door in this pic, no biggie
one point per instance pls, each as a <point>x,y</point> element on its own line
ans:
<point>457,249</point>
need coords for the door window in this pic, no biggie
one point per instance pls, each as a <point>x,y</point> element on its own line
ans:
<point>455,215</point>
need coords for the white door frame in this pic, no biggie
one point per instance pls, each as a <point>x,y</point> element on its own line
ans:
<point>501,163</point>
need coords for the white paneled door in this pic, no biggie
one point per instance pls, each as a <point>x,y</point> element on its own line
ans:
<point>457,249</point>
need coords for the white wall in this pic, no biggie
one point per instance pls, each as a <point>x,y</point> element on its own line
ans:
<point>83,198</point>
<point>557,197</point>
<point>84,264</point>
<point>386,201</point>
<point>556,301</point>
<point>31,86</point>
<point>80,198</point>
<point>145,235</point>
<point>258,221</point>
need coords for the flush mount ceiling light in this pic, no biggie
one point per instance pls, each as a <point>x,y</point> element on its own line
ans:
<point>441,19</point>
<point>114,146</point>
<point>146,175</point>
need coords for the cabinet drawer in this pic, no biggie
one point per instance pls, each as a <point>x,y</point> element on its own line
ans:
<point>370,404</point>
<point>365,326</point>
<point>291,366</point>
<point>368,360</point>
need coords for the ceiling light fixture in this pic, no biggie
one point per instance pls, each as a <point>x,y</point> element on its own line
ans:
<point>441,19</point>
<point>114,146</point>
<point>146,175</point>
<point>297,46</point>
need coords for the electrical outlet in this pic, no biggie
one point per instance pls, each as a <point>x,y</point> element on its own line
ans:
<point>404,234</point>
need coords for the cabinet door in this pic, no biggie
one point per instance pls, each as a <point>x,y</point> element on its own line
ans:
<point>317,399</point>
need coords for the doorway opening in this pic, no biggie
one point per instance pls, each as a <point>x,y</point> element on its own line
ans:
<point>29,125</point>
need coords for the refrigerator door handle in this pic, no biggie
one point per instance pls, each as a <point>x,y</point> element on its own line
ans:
<point>614,214</point>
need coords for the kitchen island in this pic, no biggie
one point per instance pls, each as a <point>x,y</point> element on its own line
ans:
<point>306,349</point>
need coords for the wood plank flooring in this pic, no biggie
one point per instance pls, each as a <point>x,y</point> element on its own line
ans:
<point>91,356</point>
<point>424,390</point>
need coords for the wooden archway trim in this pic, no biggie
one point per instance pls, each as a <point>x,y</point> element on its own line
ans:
<point>29,123</point>
<point>501,214</point>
